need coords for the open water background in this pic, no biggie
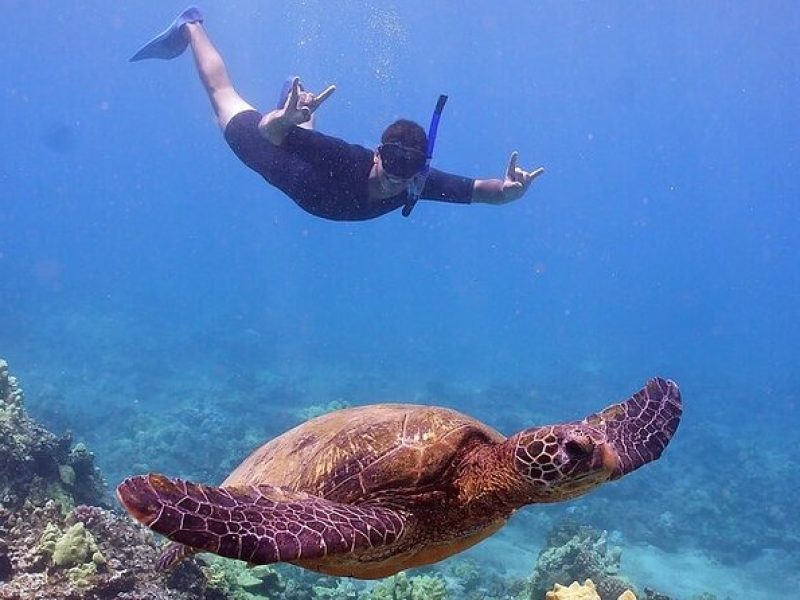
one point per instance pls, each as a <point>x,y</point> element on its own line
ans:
<point>147,278</point>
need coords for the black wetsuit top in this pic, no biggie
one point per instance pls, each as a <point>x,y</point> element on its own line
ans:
<point>327,176</point>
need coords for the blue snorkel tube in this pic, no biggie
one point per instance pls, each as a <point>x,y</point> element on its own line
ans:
<point>417,185</point>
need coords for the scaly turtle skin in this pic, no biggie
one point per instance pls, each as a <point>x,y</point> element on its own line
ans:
<point>369,491</point>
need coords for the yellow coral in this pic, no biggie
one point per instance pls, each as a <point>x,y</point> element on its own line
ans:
<point>81,575</point>
<point>576,591</point>
<point>48,539</point>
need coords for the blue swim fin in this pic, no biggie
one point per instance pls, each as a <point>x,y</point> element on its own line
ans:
<point>171,42</point>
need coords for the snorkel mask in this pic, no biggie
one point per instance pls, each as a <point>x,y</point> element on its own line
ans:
<point>400,161</point>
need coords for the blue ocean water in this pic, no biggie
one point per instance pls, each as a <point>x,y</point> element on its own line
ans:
<point>148,278</point>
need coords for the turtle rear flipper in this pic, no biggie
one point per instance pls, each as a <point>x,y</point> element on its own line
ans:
<point>173,554</point>
<point>641,427</point>
<point>259,524</point>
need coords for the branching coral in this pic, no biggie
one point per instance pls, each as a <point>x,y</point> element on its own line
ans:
<point>577,552</point>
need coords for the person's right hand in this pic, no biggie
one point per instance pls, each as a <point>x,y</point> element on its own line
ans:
<point>300,104</point>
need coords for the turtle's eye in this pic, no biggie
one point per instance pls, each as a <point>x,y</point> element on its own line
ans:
<point>579,447</point>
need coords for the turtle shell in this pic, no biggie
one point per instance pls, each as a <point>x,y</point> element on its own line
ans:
<point>365,452</point>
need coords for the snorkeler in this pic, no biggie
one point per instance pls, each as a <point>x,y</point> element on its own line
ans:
<point>324,175</point>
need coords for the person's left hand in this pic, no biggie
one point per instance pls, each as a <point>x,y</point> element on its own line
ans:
<point>517,180</point>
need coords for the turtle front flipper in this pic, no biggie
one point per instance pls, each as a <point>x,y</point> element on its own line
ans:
<point>641,427</point>
<point>259,524</point>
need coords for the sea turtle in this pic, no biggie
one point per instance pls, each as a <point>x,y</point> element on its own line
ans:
<point>369,491</point>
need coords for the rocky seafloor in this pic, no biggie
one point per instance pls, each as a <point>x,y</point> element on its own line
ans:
<point>62,536</point>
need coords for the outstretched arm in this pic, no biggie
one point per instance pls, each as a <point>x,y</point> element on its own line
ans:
<point>513,186</point>
<point>299,108</point>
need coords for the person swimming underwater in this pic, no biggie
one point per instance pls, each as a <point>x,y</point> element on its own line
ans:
<point>324,175</point>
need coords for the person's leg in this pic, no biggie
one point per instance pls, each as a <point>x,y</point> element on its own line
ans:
<point>227,103</point>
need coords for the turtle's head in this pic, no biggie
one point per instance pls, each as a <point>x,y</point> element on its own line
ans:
<point>559,462</point>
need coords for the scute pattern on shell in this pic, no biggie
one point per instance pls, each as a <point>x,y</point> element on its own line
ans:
<point>363,452</point>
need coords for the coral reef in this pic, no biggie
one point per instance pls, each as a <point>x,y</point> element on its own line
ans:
<point>470,580</point>
<point>37,465</point>
<point>403,587</point>
<point>91,553</point>
<point>236,581</point>
<point>576,552</point>
<point>49,547</point>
